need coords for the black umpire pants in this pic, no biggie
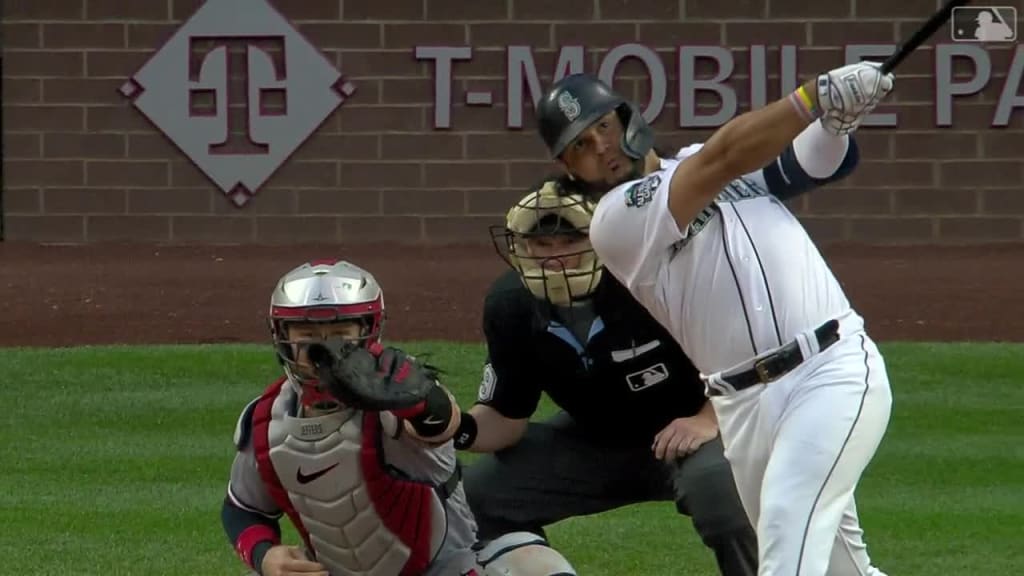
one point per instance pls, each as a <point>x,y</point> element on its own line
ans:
<point>556,472</point>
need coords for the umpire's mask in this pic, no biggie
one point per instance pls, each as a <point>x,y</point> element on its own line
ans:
<point>546,239</point>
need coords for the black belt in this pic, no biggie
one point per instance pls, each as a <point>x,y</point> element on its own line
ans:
<point>780,362</point>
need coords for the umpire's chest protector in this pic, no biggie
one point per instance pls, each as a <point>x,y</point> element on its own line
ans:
<point>328,474</point>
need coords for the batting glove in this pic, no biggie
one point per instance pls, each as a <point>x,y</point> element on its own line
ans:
<point>847,95</point>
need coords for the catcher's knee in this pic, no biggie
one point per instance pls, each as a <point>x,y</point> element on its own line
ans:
<point>522,554</point>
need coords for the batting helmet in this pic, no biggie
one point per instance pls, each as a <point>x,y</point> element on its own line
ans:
<point>551,211</point>
<point>575,102</point>
<point>327,291</point>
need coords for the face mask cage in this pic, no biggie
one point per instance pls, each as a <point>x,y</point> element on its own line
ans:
<point>536,228</point>
<point>288,351</point>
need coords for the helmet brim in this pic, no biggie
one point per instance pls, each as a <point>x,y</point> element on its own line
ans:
<point>577,127</point>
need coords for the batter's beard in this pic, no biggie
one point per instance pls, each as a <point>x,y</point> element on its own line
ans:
<point>596,190</point>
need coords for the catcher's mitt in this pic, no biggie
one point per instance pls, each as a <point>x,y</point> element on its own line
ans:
<point>375,379</point>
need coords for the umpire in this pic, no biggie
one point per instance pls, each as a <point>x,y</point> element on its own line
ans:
<point>634,424</point>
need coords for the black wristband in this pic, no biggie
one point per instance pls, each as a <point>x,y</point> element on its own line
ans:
<point>466,434</point>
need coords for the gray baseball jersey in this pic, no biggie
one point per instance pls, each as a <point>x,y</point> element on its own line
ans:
<point>321,462</point>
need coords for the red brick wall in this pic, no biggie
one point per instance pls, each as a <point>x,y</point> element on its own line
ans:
<point>82,165</point>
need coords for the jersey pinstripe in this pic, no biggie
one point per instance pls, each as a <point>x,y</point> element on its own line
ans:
<point>740,279</point>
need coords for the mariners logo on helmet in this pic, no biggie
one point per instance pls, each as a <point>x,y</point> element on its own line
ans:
<point>577,101</point>
<point>569,106</point>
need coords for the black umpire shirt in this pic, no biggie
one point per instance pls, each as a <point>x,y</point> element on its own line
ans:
<point>611,366</point>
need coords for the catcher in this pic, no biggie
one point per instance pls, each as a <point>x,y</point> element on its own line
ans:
<point>353,444</point>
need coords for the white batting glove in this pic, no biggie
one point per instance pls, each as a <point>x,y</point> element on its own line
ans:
<point>847,95</point>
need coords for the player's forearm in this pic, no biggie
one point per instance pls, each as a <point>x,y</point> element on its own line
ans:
<point>751,140</point>
<point>250,534</point>
<point>491,431</point>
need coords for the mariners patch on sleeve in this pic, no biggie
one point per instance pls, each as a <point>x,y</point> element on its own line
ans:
<point>486,391</point>
<point>641,193</point>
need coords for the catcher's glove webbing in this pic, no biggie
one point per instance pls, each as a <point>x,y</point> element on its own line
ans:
<point>374,379</point>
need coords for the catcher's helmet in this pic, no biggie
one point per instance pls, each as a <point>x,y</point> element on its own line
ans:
<point>550,211</point>
<point>575,102</point>
<point>326,291</point>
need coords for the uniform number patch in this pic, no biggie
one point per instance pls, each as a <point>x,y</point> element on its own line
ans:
<point>641,193</point>
<point>647,377</point>
<point>486,391</point>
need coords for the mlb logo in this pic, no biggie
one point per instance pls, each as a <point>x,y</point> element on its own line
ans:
<point>984,24</point>
<point>647,377</point>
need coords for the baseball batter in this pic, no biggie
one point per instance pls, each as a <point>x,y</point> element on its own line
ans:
<point>703,242</point>
<point>353,444</point>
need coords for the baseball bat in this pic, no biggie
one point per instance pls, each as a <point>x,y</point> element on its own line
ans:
<point>922,34</point>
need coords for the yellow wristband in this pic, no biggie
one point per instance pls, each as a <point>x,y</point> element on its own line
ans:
<point>806,98</point>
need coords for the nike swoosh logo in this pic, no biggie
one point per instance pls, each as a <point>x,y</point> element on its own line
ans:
<point>432,420</point>
<point>307,478</point>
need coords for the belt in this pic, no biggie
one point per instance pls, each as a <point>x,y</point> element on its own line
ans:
<point>779,363</point>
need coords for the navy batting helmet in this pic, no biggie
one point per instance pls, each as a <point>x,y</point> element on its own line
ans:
<point>577,101</point>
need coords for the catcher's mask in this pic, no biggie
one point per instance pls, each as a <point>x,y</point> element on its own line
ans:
<point>546,240</point>
<point>326,294</point>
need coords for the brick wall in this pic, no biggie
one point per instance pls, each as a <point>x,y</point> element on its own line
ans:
<point>82,165</point>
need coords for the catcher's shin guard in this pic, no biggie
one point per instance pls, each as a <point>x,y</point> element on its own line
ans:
<point>522,554</point>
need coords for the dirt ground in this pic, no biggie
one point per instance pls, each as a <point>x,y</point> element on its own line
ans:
<point>102,294</point>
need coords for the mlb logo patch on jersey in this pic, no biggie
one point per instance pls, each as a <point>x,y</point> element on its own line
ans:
<point>641,193</point>
<point>647,377</point>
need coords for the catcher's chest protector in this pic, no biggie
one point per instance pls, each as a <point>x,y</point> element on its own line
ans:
<point>327,473</point>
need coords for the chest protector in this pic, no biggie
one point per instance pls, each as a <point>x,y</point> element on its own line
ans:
<point>357,515</point>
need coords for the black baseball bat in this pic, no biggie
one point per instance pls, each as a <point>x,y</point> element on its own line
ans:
<point>922,34</point>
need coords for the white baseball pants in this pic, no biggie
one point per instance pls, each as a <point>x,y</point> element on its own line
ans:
<point>798,447</point>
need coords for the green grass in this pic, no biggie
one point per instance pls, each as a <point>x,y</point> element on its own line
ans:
<point>114,461</point>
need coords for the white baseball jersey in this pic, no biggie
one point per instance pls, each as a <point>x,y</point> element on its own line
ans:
<point>741,279</point>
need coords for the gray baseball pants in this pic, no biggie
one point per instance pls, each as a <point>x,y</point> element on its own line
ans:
<point>556,471</point>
